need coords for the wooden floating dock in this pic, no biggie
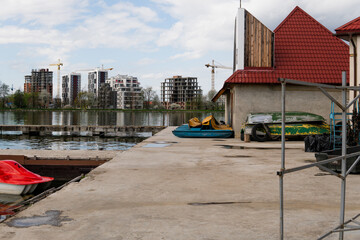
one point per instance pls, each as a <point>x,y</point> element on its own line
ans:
<point>76,130</point>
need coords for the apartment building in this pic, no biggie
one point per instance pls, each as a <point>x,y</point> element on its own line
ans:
<point>107,97</point>
<point>128,91</point>
<point>95,79</point>
<point>71,87</point>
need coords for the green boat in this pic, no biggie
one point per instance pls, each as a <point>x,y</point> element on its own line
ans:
<point>266,126</point>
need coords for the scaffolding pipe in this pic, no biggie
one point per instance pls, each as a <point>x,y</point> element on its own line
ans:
<point>343,161</point>
<point>281,176</point>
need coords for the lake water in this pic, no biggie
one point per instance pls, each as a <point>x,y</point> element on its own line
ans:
<point>85,118</point>
<point>100,118</point>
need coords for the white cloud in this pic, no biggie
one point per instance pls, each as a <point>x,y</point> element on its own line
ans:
<point>144,13</point>
<point>152,76</point>
<point>329,13</point>
<point>119,26</point>
<point>187,55</point>
<point>200,26</point>
<point>49,13</point>
<point>15,34</point>
<point>146,61</point>
<point>164,31</point>
<point>108,61</point>
<point>203,26</point>
<point>169,37</point>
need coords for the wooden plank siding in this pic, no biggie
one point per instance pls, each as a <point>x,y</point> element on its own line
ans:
<point>259,43</point>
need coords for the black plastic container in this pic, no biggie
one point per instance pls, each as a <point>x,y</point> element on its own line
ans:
<point>336,165</point>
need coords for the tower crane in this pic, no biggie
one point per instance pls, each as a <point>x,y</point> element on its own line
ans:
<point>213,66</point>
<point>59,64</point>
<point>94,69</point>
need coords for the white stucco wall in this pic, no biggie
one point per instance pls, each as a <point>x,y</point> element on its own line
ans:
<point>240,39</point>
<point>265,97</point>
<point>355,57</point>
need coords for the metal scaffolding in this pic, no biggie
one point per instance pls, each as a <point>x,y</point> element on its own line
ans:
<point>349,225</point>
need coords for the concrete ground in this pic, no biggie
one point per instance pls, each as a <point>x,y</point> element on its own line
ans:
<point>173,188</point>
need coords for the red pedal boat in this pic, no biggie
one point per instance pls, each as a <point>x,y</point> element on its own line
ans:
<point>17,180</point>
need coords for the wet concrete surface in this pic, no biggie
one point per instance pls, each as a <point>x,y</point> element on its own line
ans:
<point>244,147</point>
<point>51,217</point>
<point>237,156</point>
<point>156,145</point>
<point>190,190</point>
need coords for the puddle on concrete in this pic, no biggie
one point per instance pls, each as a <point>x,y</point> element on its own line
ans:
<point>52,217</point>
<point>242,147</point>
<point>238,156</point>
<point>156,145</point>
<point>213,203</point>
<point>159,144</point>
<point>322,174</point>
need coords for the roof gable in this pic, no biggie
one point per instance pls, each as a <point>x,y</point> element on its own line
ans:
<point>350,27</point>
<point>304,50</point>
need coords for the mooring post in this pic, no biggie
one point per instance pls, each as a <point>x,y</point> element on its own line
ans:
<point>343,161</point>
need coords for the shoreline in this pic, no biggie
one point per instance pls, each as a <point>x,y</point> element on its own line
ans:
<point>104,110</point>
<point>62,153</point>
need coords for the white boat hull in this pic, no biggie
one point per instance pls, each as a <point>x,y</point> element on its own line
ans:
<point>17,189</point>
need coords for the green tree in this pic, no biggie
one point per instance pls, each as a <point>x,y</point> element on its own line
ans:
<point>44,98</point>
<point>4,92</point>
<point>148,95</point>
<point>211,94</point>
<point>85,100</point>
<point>19,99</point>
<point>32,99</point>
<point>210,105</point>
<point>156,103</point>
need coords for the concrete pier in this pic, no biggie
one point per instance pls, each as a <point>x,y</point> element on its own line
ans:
<point>173,188</point>
<point>76,130</point>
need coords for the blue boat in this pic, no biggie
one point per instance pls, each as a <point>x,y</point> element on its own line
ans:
<point>208,128</point>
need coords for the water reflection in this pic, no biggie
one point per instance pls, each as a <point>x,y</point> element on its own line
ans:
<point>67,143</point>
<point>86,118</point>
<point>8,203</point>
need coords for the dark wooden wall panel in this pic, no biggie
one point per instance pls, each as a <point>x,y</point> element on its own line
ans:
<point>258,43</point>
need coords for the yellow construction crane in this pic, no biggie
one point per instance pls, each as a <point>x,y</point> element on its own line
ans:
<point>59,64</point>
<point>213,66</point>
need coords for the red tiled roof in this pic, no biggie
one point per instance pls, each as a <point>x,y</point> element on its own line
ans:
<point>304,50</point>
<point>350,27</point>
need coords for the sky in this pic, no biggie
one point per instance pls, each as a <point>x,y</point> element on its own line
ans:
<point>151,40</point>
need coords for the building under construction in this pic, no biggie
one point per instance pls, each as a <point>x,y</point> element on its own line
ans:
<point>183,91</point>
<point>39,81</point>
